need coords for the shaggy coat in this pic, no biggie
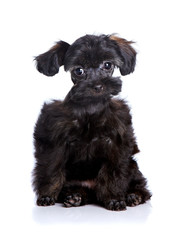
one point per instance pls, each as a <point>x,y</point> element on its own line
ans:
<point>85,145</point>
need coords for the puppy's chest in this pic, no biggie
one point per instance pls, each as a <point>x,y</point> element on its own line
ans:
<point>93,137</point>
<point>89,147</point>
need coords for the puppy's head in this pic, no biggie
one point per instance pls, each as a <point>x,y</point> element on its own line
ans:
<point>89,57</point>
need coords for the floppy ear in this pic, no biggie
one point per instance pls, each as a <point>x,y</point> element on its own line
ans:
<point>126,53</point>
<point>49,62</point>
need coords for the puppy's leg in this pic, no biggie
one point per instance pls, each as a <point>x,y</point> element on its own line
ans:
<point>48,178</point>
<point>48,192</point>
<point>110,189</point>
<point>74,196</point>
<point>137,192</point>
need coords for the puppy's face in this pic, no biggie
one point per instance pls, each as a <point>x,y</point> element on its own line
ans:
<point>89,58</point>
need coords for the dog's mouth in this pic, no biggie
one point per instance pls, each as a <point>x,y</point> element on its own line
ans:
<point>93,91</point>
<point>108,87</point>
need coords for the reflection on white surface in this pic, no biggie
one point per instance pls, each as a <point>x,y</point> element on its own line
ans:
<point>90,214</point>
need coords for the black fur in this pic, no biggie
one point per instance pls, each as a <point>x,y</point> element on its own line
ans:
<point>88,51</point>
<point>85,145</point>
<point>48,63</point>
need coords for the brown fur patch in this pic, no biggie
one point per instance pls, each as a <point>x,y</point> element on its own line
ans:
<point>123,44</point>
<point>55,47</point>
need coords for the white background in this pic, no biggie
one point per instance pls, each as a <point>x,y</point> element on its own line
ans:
<point>28,28</point>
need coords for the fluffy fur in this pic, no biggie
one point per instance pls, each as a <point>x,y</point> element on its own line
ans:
<point>85,145</point>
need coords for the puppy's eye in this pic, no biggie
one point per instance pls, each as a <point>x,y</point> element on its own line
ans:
<point>79,71</point>
<point>107,65</point>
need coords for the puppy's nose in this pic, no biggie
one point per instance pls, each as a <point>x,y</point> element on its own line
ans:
<point>98,88</point>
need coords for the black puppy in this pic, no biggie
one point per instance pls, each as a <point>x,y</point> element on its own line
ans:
<point>85,144</point>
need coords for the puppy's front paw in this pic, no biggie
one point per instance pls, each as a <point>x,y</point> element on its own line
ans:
<point>73,200</point>
<point>133,199</point>
<point>115,205</point>
<point>45,201</point>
